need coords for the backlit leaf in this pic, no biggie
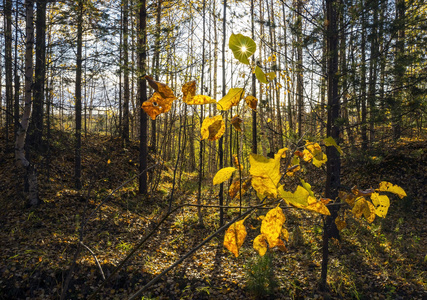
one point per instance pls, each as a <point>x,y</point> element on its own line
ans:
<point>359,207</point>
<point>242,46</point>
<point>265,173</point>
<point>223,175</point>
<point>251,101</point>
<point>260,244</point>
<point>236,121</point>
<point>307,186</point>
<point>201,99</point>
<point>313,153</point>
<point>164,91</point>
<point>157,104</point>
<point>381,204</point>
<point>329,141</point>
<point>260,75</point>
<point>392,188</point>
<point>270,76</point>
<point>212,128</point>
<point>369,212</point>
<point>301,198</point>
<point>188,91</point>
<point>232,98</point>
<point>235,236</point>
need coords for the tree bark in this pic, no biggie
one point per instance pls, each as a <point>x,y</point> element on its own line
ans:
<point>78,98</point>
<point>333,164</point>
<point>143,153</point>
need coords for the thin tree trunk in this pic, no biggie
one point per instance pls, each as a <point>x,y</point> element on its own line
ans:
<point>254,113</point>
<point>143,162</point>
<point>333,164</point>
<point>36,124</point>
<point>125,133</point>
<point>8,64</point>
<point>224,92</point>
<point>20,158</point>
<point>78,97</point>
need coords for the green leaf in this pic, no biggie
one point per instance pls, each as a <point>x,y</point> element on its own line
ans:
<point>259,73</point>
<point>307,186</point>
<point>242,46</point>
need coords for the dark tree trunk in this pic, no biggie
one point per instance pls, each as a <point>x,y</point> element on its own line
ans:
<point>333,164</point>
<point>78,98</point>
<point>8,64</point>
<point>125,133</point>
<point>143,153</point>
<point>35,132</point>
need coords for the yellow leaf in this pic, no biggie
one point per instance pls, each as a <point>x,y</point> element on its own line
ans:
<point>231,99</point>
<point>359,207</point>
<point>164,91</point>
<point>260,75</point>
<point>271,226</point>
<point>369,212</point>
<point>347,197</point>
<point>265,173</point>
<point>236,121</point>
<point>109,161</point>
<point>188,92</point>
<point>392,188</point>
<point>235,236</point>
<point>234,190</point>
<point>285,234</point>
<point>269,120</point>
<point>329,141</point>
<point>341,224</point>
<point>295,166</point>
<point>260,244</point>
<point>157,105</point>
<point>201,99</point>
<point>307,186</point>
<point>212,128</point>
<point>270,76</point>
<point>299,198</point>
<point>251,101</point>
<point>223,175</point>
<point>314,152</point>
<point>381,204</point>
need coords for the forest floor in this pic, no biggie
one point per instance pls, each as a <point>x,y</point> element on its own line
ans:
<point>386,259</point>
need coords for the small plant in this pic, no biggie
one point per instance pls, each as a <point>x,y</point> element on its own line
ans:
<point>260,276</point>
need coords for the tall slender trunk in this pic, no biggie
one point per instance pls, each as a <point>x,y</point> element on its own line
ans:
<point>254,113</point>
<point>125,133</point>
<point>142,41</point>
<point>373,74</point>
<point>224,92</point>
<point>399,66</point>
<point>20,158</point>
<point>201,144</point>
<point>8,64</point>
<point>36,125</point>
<point>363,83</point>
<point>333,164</point>
<point>78,98</point>
<point>300,78</point>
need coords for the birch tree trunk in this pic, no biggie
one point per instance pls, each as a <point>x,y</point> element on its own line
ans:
<point>20,158</point>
